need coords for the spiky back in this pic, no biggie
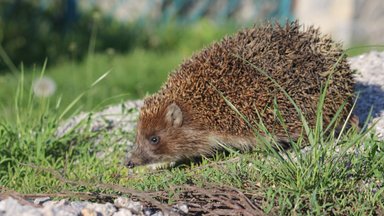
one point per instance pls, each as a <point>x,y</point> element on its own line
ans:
<point>298,59</point>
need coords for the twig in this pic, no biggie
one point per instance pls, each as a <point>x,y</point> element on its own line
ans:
<point>5,193</point>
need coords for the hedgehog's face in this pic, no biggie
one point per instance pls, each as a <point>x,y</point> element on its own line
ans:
<point>161,137</point>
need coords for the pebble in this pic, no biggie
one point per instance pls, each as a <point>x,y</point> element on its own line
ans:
<point>150,211</point>
<point>42,200</point>
<point>158,213</point>
<point>182,207</point>
<point>122,202</point>
<point>106,209</point>
<point>123,212</point>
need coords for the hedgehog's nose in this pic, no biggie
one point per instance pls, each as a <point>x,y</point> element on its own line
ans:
<point>130,164</point>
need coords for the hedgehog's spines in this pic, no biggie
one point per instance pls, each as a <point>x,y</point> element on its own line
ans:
<point>297,57</point>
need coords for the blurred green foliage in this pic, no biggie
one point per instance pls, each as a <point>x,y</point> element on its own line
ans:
<point>29,34</point>
<point>138,55</point>
<point>134,74</point>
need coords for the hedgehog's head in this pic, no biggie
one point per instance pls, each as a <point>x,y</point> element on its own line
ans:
<point>164,134</point>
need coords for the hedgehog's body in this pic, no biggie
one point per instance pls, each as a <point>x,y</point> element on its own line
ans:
<point>190,115</point>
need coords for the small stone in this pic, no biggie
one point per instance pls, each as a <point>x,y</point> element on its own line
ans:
<point>60,208</point>
<point>10,207</point>
<point>182,207</point>
<point>106,209</point>
<point>158,213</point>
<point>152,212</point>
<point>41,200</point>
<point>123,212</point>
<point>123,202</point>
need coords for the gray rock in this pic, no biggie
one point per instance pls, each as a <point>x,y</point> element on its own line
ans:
<point>122,116</point>
<point>158,213</point>
<point>149,211</point>
<point>117,121</point>
<point>106,209</point>
<point>370,86</point>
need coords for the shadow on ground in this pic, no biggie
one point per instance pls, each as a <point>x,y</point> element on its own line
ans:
<point>369,97</point>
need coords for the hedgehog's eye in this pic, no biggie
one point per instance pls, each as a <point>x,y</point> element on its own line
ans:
<point>154,140</point>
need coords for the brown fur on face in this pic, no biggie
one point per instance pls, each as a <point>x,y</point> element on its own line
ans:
<point>178,134</point>
<point>190,115</point>
<point>175,131</point>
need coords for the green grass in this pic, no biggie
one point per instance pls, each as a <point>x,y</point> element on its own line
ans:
<point>132,75</point>
<point>361,49</point>
<point>340,175</point>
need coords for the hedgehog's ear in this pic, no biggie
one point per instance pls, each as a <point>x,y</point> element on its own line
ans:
<point>174,116</point>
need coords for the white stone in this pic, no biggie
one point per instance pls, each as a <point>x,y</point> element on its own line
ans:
<point>106,209</point>
<point>41,200</point>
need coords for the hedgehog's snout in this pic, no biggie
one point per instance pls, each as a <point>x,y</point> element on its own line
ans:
<point>128,161</point>
<point>138,156</point>
<point>133,159</point>
<point>133,162</point>
<point>130,164</point>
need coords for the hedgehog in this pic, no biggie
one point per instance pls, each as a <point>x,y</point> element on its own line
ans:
<point>219,96</point>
